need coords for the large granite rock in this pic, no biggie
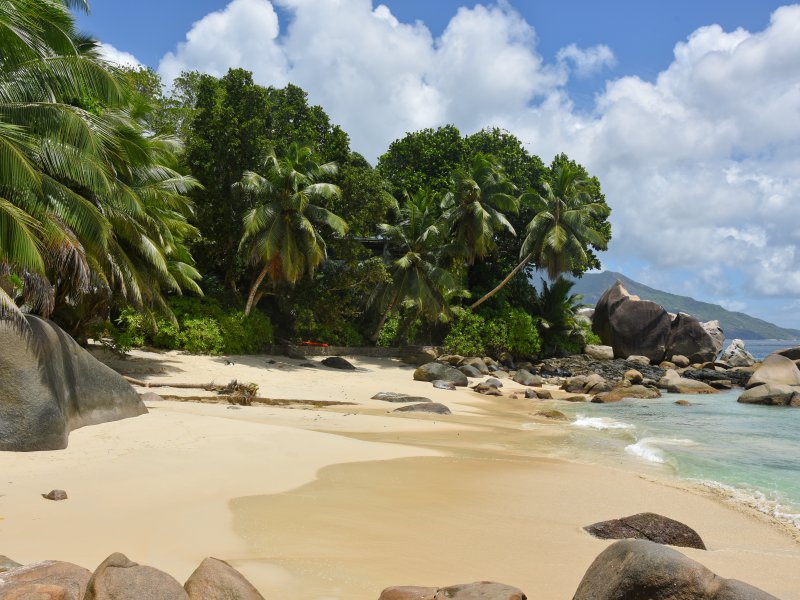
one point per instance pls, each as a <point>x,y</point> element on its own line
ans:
<point>791,353</point>
<point>119,578</point>
<point>50,386</point>
<point>434,371</point>
<point>631,326</point>
<point>482,590</point>
<point>48,579</point>
<point>622,392</point>
<point>648,526</point>
<point>217,580</point>
<point>597,352</point>
<point>524,377</point>
<point>714,329</point>
<point>688,337</point>
<point>675,384</point>
<point>737,356</point>
<point>777,369</point>
<point>772,394</point>
<point>644,570</point>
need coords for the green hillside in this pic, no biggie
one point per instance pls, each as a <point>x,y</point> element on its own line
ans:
<point>734,324</point>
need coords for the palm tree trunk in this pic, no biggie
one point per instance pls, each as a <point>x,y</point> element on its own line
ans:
<point>254,288</point>
<point>374,337</point>
<point>502,284</point>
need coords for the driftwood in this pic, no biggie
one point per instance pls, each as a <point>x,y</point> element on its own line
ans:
<point>265,401</point>
<point>188,386</point>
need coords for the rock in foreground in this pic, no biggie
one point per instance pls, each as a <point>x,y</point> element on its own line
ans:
<point>644,570</point>
<point>50,386</point>
<point>482,590</point>
<point>46,580</point>
<point>648,526</point>
<point>119,578</point>
<point>215,579</point>
<point>775,368</point>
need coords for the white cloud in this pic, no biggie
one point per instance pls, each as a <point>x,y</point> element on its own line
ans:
<point>701,165</point>
<point>587,61</point>
<point>111,54</point>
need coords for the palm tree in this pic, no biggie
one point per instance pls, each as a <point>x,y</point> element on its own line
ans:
<point>282,233</point>
<point>557,311</point>
<point>82,189</point>
<point>475,206</point>
<point>559,234</point>
<point>415,246</point>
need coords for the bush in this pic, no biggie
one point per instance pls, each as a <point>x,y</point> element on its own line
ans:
<point>509,330</point>
<point>201,336</point>
<point>389,331</point>
<point>126,332</point>
<point>335,333</point>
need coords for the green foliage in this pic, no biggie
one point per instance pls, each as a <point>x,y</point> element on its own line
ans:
<point>508,330</point>
<point>128,331</point>
<point>562,331</point>
<point>388,333</point>
<point>204,326</point>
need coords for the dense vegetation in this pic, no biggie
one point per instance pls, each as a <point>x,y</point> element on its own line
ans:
<point>225,214</point>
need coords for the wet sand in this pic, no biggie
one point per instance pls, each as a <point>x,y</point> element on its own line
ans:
<point>343,501</point>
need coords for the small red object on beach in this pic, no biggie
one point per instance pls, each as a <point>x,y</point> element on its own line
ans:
<point>310,343</point>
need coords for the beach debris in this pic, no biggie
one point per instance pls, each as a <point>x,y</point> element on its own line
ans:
<point>6,564</point>
<point>440,384</point>
<point>638,569</point>
<point>434,371</point>
<point>119,578</point>
<point>648,526</point>
<point>598,352</point>
<point>215,579</point>
<point>556,415</point>
<point>46,579</point>
<point>337,362</point>
<point>238,392</point>
<point>482,590</point>
<point>524,377</point>
<point>55,495</point>
<point>487,389</point>
<point>398,397</point>
<point>233,407</point>
<point>229,363</point>
<point>428,407</point>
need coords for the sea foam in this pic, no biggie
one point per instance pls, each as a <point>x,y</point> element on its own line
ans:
<point>600,423</point>
<point>754,499</point>
<point>650,448</point>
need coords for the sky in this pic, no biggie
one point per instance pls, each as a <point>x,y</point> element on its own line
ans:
<point>687,112</point>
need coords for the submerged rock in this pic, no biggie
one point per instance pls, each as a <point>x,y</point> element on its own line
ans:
<point>648,526</point>
<point>51,386</point>
<point>644,570</point>
<point>556,415</point>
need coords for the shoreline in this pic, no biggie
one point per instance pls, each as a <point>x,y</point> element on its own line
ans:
<point>300,498</point>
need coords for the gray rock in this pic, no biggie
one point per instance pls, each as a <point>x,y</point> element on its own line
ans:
<point>478,363</point>
<point>482,590</point>
<point>434,371</point>
<point>6,564</point>
<point>215,579</point>
<point>644,570</point>
<point>772,394</point>
<point>680,361</point>
<point>737,356</point>
<point>119,578</point>
<point>639,360</point>
<point>454,360</point>
<point>556,415</point>
<point>597,352</point>
<point>487,390</point>
<point>51,386</point>
<point>633,376</point>
<point>427,407</point>
<point>524,377</point>
<point>55,495</point>
<point>648,526</point>
<point>150,397</point>
<point>714,329</point>
<point>689,338</point>
<point>441,384</point>
<point>398,397</point>
<point>631,326</point>
<point>790,353</point>
<point>470,371</point>
<point>48,579</point>
<point>541,394</point>
<point>494,381</point>
<point>419,355</point>
<point>337,362</point>
<point>775,368</point>
<point>294,352</point>
<point>622,392</point>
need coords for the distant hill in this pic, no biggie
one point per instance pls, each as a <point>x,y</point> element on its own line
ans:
<point>734,324</point>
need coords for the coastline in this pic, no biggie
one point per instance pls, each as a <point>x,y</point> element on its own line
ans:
<point>341,502</point>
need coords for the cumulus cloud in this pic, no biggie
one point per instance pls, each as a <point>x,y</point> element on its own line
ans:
<point>701,165</point>
<point>112,55</point>
<point>587,61</point>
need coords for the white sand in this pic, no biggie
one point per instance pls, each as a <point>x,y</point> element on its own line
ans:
<point>342,501</point>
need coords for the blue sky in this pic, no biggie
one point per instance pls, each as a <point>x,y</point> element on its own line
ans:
<point>688,112</point>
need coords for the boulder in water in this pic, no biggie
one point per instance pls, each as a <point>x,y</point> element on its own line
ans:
<point>775,368</point>
<point>50,386</point>
<point>772,394</point>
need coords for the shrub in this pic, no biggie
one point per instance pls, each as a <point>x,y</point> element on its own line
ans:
<point>509,330</point>
<point>467,335</point>
<point>522,338</point>
<point>388,332</point>
<point>125,333</point>
<point>201,336</point>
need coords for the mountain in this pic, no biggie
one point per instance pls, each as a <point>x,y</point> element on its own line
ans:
<point>734,324</point>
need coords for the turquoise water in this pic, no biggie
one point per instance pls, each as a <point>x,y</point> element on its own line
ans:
<point>751,453</point>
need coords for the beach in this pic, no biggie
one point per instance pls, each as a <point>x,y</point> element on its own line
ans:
<point>341,501</point>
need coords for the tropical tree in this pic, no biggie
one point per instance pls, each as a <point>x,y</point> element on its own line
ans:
<point>281,234</point>
<point>81,185</point>
<point>414,250</point>
<point>557,312</point>
<point>558,236</point>
<point>475,206</point>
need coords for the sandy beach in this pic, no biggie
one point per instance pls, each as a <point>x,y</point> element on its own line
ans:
<point>338,502</point>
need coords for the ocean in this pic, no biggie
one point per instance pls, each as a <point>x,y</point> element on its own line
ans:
<point>749,453</point>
